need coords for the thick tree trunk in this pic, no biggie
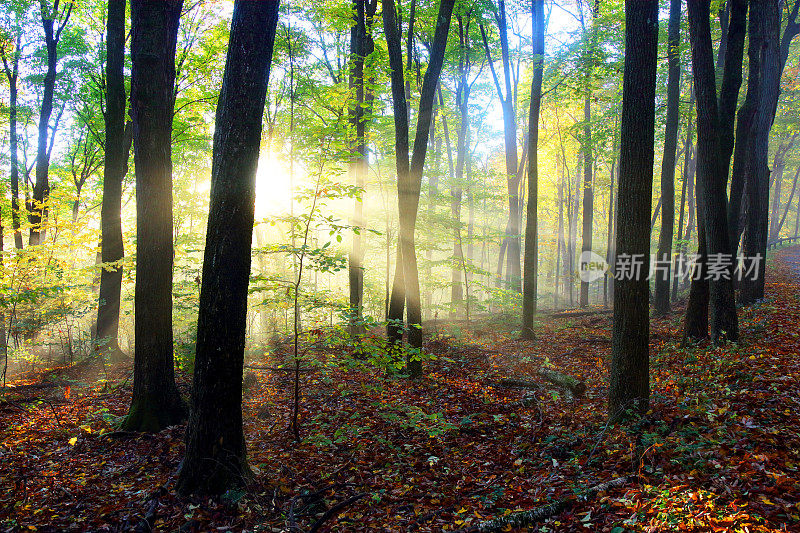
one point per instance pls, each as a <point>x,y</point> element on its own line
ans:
<point>712,172</point>
<point>742,148</point>
<point>215,459</point>
<point>156,402</point>
<point>664,256</point>
<point>765,61</point>
<point>116,163</point>
<point>629,386</point>
<point>530,283</point>
<point>405,289</point>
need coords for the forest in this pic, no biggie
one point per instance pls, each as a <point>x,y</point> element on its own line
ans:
<point>399,265</point>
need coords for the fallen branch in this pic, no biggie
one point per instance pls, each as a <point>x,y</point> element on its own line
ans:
<point>514,383</point>
<point>279,368</point>
<point>575,386</point>
<point>335,510</point>
<point>528,518</point>
<point>576,314</point>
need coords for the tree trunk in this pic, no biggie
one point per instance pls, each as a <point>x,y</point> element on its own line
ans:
<point>215,459</point>
<point>405,289</point>
<point>712,171</point>
<point>512,234</point>
<point>361,45</point>
<point>742,149</point>
<point>12,73</point>
<point>41,189</point>
<point>116,163</point>
<point>687,189</point>
<point>789,202</point>
<point>663,277</point>
<point>588,162</point>
<point>629,386</point>
<point>778,169</point>
<point>765,62</point>
<point>560,242</point>
<point>156,403</point>
<point>530,285</point>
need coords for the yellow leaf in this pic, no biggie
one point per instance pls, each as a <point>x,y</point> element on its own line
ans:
<point>73,440</point>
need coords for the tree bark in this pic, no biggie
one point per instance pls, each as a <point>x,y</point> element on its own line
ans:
<point>765,63</point>
<point>530,284</point>
<point>712,171</point>
<point>405,289</point>
<point>215,459</point>
<point>664,256</point>
<point>156,402</point>
<point>629,386</point>
<point>586,147</point>
<point>116,163</point>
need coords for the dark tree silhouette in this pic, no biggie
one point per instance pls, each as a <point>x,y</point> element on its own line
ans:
<point>529,286</point>
<point>629,386</point>
<point>405,287</point>
<point>117,148</point>
<point>215,459</point>
<point>154,31</point>
<point>712,177</point>
<point>664,256</point>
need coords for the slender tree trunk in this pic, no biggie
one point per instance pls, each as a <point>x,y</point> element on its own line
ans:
<point>629,386</point>
<point>512,234</point>
<point>588,162</point>
<point>609,239</point>
<point>12,73</point>
<point>560,242</point>
<point>788,203</point>
<point>405,289</point>
<point>588,196</point>
<point>156,402</point>
<point>41,189</point>
<point>664,256</point>
<point>361,45</point>
<point>215,459</point>
<point>115,168</point>
<point>530,284</point>
<point>778,168</point>
<point>687,187</point>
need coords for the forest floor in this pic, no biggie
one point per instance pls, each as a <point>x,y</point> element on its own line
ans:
<point>719,450</point>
